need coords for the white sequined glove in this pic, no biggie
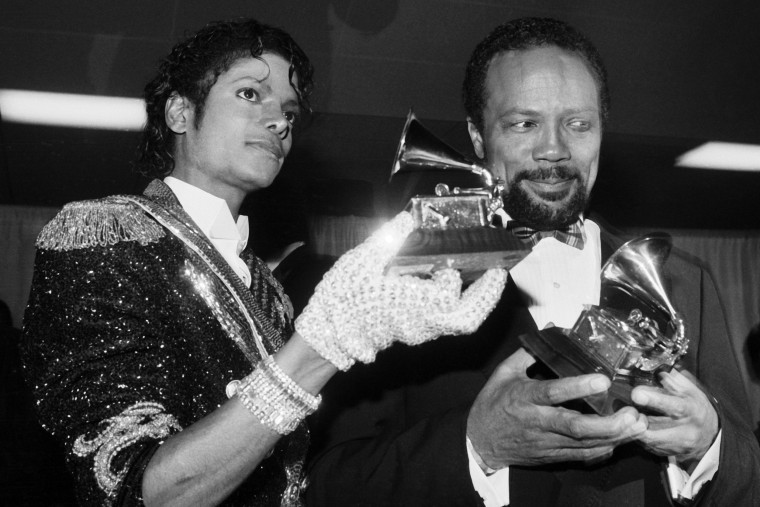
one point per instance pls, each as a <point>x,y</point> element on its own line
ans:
<point>357,311</point>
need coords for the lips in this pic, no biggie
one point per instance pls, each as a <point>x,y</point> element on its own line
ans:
<point>272,147</point>
<point>549,185</point>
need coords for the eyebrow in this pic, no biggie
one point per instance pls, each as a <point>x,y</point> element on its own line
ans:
<point>532,112</point>
<point>268,89</point>
<point>247,77</point>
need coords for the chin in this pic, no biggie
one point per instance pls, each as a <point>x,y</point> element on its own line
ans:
<point>543,213</point>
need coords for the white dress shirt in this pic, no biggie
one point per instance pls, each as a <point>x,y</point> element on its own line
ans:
<point>557,281</point>
<point>212,216</point>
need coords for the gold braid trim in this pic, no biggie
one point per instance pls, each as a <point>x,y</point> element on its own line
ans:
<point>100,222</point>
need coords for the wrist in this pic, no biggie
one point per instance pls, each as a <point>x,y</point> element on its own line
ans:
<point>688,462</point>
<point>477,458</point>
<point>304,365</point>
<point>273,397</point>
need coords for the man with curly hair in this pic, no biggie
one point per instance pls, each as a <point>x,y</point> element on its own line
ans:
<point>162,352</point>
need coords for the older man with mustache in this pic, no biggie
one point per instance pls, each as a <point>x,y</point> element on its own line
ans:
<point>462,421</point>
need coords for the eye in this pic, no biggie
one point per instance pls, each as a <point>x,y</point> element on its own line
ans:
<point>580,125</point>
<point>248,94</point>
<point>522,126</point>
<point>291,116</point>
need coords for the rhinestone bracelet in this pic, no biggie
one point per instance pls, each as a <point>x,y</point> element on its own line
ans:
<point>275,398</point>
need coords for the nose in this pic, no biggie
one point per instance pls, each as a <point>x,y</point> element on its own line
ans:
<point>551,145</point>
<point>276,122</point>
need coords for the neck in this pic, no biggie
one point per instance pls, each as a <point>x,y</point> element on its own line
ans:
<point>232,196</point>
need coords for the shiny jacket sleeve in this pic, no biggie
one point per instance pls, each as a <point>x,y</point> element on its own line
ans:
<point>113,352</point>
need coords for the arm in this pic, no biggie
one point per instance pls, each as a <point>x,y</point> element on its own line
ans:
<point>208,460</point>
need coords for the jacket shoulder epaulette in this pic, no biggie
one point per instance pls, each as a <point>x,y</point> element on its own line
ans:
<point>98,222</point>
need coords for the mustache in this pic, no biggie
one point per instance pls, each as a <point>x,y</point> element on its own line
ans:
<point>563,172</point>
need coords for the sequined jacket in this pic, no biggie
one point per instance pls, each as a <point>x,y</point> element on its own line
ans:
<point>134,327</point>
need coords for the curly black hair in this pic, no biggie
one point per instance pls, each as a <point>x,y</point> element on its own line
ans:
<point>193,67</point>
<point>521,34</point>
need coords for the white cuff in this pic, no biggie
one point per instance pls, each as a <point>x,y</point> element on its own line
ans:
<point>684,486</point>
<point>492,488</point>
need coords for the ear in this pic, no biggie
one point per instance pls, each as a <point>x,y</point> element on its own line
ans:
<point>476,138</point>
<point>177,113</point>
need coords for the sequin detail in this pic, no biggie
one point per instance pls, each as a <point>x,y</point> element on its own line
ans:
<point>205,288</point>
<point>141,420</point>
<point>102,222</point>
<point>200,247</point>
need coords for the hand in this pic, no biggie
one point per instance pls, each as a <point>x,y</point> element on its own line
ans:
<point>687,424</point>
<point>515,420</point>
<point>356,310</point>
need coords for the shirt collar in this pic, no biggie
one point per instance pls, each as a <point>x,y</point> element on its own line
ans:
<point>210,213</point>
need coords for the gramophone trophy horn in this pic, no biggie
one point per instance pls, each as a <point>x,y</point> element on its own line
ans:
<point>453,226</point>
<point>636,269</point>
<point>631,336</point>
<point>419,149</point>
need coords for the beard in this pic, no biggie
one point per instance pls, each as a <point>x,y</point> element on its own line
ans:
<point>542,213</point>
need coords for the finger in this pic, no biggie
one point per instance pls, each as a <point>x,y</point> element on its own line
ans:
<point>591,430</point>
<point>676,382</point>
<point>516,365</point>
<point>486,290</point>
<point>657,400</point>
<point>554,392</point>
<point>447,285</point>
<point>480,298</point>
<point>686,373</point>
<point>602,454</point>
<point>466,314</point>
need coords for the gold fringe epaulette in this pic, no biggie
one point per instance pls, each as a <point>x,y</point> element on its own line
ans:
<point>100,222</point>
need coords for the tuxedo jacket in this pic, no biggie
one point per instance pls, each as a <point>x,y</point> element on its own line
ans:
<point>394,432</point>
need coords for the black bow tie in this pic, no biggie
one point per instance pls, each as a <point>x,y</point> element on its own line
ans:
<point>572,235</point>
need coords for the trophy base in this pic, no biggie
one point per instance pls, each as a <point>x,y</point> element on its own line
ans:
<point>567,358</point>
<point>470,250</point>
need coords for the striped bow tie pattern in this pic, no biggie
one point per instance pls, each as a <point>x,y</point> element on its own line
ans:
<point>572,235</point>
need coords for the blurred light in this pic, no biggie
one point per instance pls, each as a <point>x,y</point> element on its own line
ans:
<point>726,156</point>
<point>70,110</point>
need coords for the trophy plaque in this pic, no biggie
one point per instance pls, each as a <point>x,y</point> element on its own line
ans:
<point>452,227</point>
<point>631,336</point>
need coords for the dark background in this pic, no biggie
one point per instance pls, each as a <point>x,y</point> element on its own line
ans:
<point>680,73</point>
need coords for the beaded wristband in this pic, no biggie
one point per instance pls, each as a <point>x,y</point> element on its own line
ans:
<point>275,398</point>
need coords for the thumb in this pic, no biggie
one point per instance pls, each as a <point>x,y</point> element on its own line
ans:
<point>516,365</point>
<point>486,290</point>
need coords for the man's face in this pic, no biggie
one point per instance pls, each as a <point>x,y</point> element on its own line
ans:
<point>541,134</point>
<point>245,131</point>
